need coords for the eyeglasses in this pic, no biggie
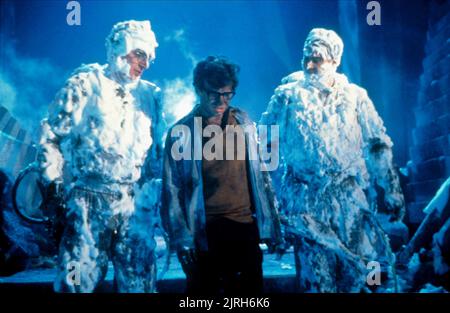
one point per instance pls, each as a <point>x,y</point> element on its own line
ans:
<point>316,60</point>
<point>228,95</point>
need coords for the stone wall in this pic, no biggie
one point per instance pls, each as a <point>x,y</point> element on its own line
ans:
<point>430,151</point>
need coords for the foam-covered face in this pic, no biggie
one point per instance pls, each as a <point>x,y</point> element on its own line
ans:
<point>317,65</point>
<point>130,46</point>
<point>319,71</point>
<point>322,53</point>
<point>138,63</point>
<point>324,43</point>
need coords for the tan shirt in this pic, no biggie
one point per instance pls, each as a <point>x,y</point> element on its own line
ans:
<point>225,185</point>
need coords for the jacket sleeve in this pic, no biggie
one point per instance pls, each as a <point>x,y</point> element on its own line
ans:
<point>63,112</point>
<point>173,210</point>
<point>378,156</point>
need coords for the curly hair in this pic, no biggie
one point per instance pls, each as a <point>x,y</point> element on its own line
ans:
<point>215,72</point>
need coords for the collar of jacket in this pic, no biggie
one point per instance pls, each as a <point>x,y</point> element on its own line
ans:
<point>241,117</point>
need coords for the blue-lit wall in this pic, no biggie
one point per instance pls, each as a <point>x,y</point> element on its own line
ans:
<point>430,148</point>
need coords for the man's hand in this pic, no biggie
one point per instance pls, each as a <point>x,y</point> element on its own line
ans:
<point>403,256</point>
<point>187,256</point>
<point>278,248</point>
<point>395,206</point>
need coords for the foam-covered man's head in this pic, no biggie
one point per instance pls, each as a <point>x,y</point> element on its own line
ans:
<point>322,51</point>
<point>131,47</point>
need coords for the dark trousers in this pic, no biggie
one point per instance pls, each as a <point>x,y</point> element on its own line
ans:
<point>232,264</point>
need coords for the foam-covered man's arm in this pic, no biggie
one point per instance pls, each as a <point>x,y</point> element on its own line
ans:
<point>276,108</point>
<point>276,116</point>
<point>62,113</point>
<point>378,155</point>
<point>150,182</point>
<point>153,168</point>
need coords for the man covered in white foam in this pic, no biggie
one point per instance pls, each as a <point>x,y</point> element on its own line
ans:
<point>335,151</point>
<point>96,142</point>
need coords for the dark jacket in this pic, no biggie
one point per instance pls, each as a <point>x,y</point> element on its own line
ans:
<point>183,209</point>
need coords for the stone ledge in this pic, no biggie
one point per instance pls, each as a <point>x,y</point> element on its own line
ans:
<point>427,150</point>
<point>437,168</point>
<point>427,113</point>
<point>423,191</point>
<point>437,128</point>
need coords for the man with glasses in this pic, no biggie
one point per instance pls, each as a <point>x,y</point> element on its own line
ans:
<point>95,143</point>
<point>215,210</point>
<point>336,155</point>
